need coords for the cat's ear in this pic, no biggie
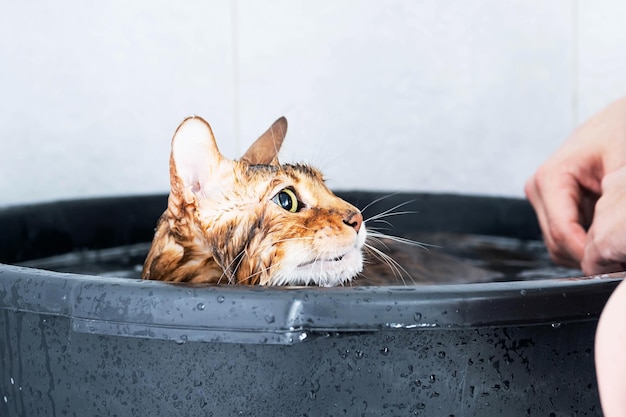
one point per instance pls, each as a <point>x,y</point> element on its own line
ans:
<point>264,151</point>
<point>195,157</point>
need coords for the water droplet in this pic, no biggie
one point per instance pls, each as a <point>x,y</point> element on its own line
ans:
<point>432,378</point>
<point>359,354</point>
<point>220,299</point>
<point>441,354</point>
<point>417,316</point>
<point>270,318</point>
<point>523,292</point>
<point>315,386</point>
<point>200,306</point>
<point>302,336</point>
<point>6,400</point>
<point>556,325</point>
<point>12,381</point>
<point>385,351</point>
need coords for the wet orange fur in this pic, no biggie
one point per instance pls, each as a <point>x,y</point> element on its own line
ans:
<point>223,226</point>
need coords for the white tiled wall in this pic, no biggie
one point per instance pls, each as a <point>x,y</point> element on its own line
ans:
<point>454,96</point>
<point>601,57</point>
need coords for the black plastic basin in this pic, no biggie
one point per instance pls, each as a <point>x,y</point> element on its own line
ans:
<point>85,344</point>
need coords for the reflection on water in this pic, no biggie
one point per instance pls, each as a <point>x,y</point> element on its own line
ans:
<point>463,258</point>
<point>448,259</point>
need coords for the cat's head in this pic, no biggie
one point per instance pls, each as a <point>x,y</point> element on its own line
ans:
<point>251,220</point>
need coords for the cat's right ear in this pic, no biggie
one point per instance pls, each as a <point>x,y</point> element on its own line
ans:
<point>195,156</point>
<point>264,151</point>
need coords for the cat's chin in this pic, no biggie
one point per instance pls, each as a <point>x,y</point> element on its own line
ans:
<point>324,272</point>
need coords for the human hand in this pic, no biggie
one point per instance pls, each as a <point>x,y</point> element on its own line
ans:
<point>605,246</point>
<point>565,189</point>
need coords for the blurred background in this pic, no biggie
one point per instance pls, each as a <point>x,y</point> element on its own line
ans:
<point>456,96</point>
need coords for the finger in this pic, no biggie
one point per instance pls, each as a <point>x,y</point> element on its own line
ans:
<point>533,195</point>
<point>556,199</point>
<point>597,260</point>
<point>605,247</point>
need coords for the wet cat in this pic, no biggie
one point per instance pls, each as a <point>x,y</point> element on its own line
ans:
<point>252,220</point>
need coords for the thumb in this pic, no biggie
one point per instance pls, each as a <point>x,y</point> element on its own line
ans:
<point>599,259</point>
<point>605,247</point>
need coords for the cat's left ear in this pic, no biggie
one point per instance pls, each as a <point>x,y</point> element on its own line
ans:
<point>195,157</point>
<point>264,151</point>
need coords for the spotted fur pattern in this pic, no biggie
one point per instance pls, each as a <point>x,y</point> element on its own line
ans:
<point>224,223</point>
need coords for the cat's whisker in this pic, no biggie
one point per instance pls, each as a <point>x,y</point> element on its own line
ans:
<point>381,217</point>
<point>378,240</point>
<point>267,269</point>
<point>238,259</point>
<point>247,278</point>
<point>321,264</point>
<point>379,199</point>
<point>286,274</point>
<point>306,256</point>
<point>390,212</point>
<point>378,235</point>
<point>260,272</point>
<point>378,217</point>
<point>378,221</point>
<point>289,239</point>
<point>390,262</point>
<point>284,277</point>
<point>398,270</point>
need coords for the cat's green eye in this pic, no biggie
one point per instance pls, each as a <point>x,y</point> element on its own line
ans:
<point>287,199</point>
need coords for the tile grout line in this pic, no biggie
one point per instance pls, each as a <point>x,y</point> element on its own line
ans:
<point>575,64</point>
<point>234,40</point>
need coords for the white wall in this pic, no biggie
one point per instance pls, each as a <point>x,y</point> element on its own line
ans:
<point>454,96</point>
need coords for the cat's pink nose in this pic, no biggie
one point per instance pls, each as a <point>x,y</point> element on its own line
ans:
<point>354,219</point>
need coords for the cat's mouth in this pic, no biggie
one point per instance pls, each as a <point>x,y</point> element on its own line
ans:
<point>335,259</point>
